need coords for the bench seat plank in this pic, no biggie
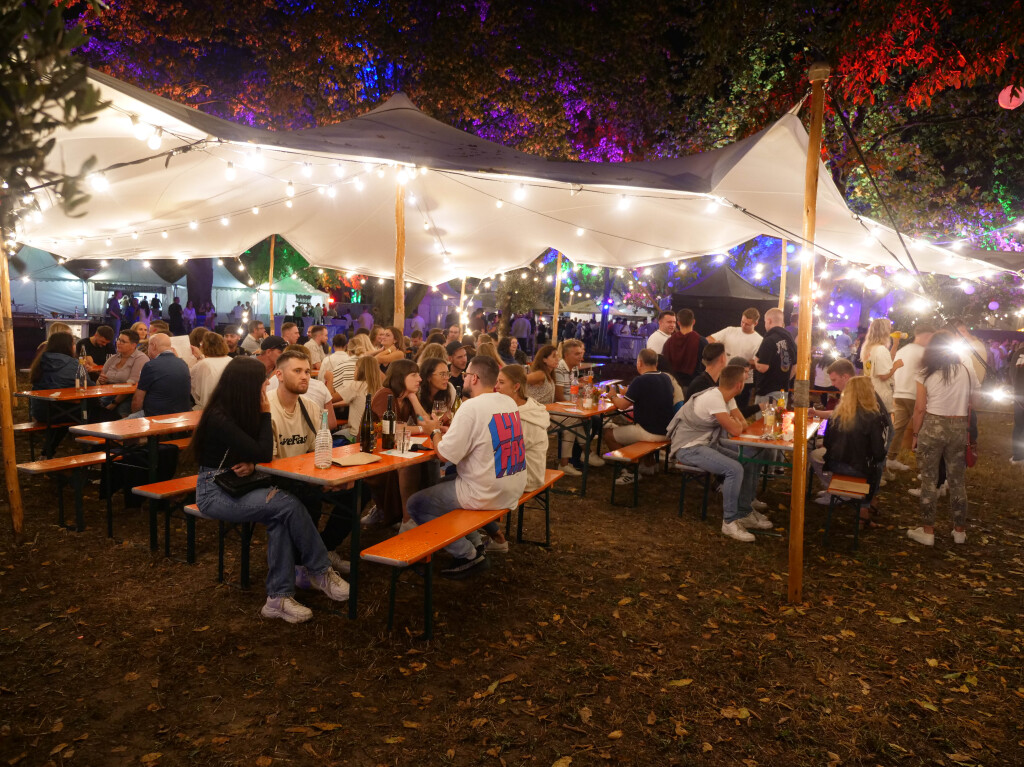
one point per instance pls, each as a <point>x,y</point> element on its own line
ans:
<point>65,463</point>
<point>848,487</point>
<point>551,476</point>
<point>419,543</point>
<point>31,426</point>
<point>636,451</point>
<point>168,489</point>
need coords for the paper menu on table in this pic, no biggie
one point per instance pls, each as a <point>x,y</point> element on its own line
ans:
<point>397,454</point>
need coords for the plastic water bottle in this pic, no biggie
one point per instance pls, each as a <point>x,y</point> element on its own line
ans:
<point>323,445</point>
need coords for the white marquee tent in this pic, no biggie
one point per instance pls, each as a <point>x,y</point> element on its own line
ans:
<point>472,208</point>
<point>285,291</point>
<point>128,275</point>
<point>228,289</point>
<point>40,285</point>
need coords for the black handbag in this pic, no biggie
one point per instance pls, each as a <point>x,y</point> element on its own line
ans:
<point>237,486</point>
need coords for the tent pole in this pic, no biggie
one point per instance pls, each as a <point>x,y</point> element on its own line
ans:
<point>462,305</point>
<point>558,293</point>
<point>400,258</point>
<point>782,277</point>
<point>270,287</point>
<point>8,385</point>
<point>801,387</point>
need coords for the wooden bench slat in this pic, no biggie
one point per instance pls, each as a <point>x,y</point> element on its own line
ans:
<point>168,488</point>
<point>551,476</point>
<point>63,464</point>
<point>636,451</point>
<point>193,509</point>
<point>30,426</point>
<point>181,444</point>
<point>851,487</point>
<point>417,544</point>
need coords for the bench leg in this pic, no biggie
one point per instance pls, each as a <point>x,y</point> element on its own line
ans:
<point>31,446</point>
<point>636,485</point>
<point>354,549</point>
<point>155,507</point>
<point>547,517</point>
<point>704,505</point>
<point>682,493</point>
<point>78,486</point>
<point>168,509</point>
<point>395,573</point>
<point>190,539</point>
<point>60,481</point>
<point>828,520</point>
<point>221,532</point>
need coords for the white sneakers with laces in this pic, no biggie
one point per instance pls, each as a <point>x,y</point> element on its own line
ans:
<point>333,585</point>
<point>287,609</point>
<point>735,530</point>
<point>894,465</point>
<point>755,521</point>
<point>918,534</point>
<point>570,470</point>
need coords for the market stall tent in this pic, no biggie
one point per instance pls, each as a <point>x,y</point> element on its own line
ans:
<point>40,285</point>
<point>718,300</point>
<point>472,207</point>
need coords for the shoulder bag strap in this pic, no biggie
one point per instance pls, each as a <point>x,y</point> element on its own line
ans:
<point>305,416</point>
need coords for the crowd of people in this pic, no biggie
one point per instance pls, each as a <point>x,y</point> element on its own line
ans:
<point>482,402</point>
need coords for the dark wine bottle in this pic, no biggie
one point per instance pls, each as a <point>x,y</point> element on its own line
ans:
<point>387,425</point>
<point>458,401</point>
<point>367,440</point>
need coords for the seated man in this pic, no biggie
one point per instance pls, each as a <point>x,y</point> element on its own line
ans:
<point>97,347</point>
<point>270,349</point>
<point>295,419</point>
<point>257,332</point>
<point>231,338</point>
<point>164,383</point>
<point>573,352</point>
<point>695,431</point>
<point>316,391</point>
<point>714,359</point>
<point>317,345</point>
<point>485,442</point>
<point>650,396</point>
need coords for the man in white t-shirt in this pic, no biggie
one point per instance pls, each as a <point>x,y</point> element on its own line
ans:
<point>905,390</point>
<point>316,391</point>
<point>340,366</point>
<point>317,345</point>
<point>485,442</point>
<point>666,327</point>
<point>366,319</point>
<point>695,431</point>
<point>742,341</point>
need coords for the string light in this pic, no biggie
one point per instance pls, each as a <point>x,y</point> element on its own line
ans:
<point>579,231</point>
<point>229,172</point>
<point>154,140</point>
<point>624,202</point>
<point>497,204</point>
<point>358,183</point>
<point>164,234</point>
<point>307,169</point>
<point>520,193</point>
<point>224,221</point>
<point>193,224</point>
<point>332,192</point>
<point>255,210</point>
<point>98,181</point>
<point>288,203</point>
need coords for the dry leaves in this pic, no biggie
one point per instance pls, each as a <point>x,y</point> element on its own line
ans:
<point>614,734</point>
<point>680,683</point>
<point>734,713</point>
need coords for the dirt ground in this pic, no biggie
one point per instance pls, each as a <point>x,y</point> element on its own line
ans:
<point>639,638</point>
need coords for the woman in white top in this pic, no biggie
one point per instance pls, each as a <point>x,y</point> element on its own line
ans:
<point>945,387</point>
<point>206,373</point>
<point>540,380</point>
<point>188,314</point>
<point>876,355</point>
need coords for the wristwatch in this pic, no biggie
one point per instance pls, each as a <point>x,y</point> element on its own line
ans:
<point>435,431</point>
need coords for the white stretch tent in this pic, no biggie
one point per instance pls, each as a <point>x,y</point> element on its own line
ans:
<point>129,276</point>
<point>285,291</point>
<point>480,208</point>
<point>228,289</point>
<point>49,287</point>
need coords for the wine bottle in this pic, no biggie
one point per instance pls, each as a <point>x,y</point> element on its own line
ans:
<point>323,445</point>
<point>387,425</point>
<point>458,401</point>
<point>367,441</point>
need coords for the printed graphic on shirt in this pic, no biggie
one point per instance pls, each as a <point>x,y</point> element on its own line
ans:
<point>295,439</point>
<point>507,443</point>
<point>785,363</point>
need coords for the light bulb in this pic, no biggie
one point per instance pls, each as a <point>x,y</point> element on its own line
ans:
<point>146,264</point>
<point>623,202</point>
<point>140,129</point>
<point>288,203</point>
<point>520,192</point>
<point>135,235</point>
<point>255,210</point>
<point>103,264</point>
<point>153,142</point>
<point>220,262</point>
<point>98,181</point>
<point>241,267</point>
<point>380,280</point>
<point>339,170</point>
<point>499,203</point>
<point>579,231</point>
<point>290,189</point>
<point>359,184</point>
<point>229,172</point>
<point>307,169</point>
<point>108,242</point>
<point>193,224</point>
<point>224,221</point>
<point>164,234</point>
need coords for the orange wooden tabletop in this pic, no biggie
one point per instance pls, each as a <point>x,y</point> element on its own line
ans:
<point>568,408</point>
<point>752,436</point>
<point>301,467</point>
<point>133,428</point>
<point>72,394</point>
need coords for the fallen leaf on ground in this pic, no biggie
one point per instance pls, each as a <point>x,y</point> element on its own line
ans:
<point>58,748</point>
<point>615,734</point>
<point>680,682</point>
<point>705,747</point>
<point>565,761</point>
<point>151,758</point>
<point>264,761</point>
<point>131,676</point>
<point>652,718</point>
<point>476,724</point>
<point>927,704</point>
<point>585,714</point>
<point>392,739</point>
<point>932,662</point>
<point>735,713</point>
<point>327,726</point>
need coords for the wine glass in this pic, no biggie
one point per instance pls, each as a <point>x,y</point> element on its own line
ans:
<point>439,409</point>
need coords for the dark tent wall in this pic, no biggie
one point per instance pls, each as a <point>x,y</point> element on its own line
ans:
<point>718,300</point>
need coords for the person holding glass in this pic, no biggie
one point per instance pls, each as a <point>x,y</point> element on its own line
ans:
<point>123,367</point>
<point>437,395</point>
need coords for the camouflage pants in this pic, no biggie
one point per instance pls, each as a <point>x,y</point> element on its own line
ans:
<point>943,438</point>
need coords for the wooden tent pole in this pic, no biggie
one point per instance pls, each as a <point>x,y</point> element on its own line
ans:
<point>782,276</point>
<point>270,286</point>
<point>8,385</point>
<point>801,387</point>
<point>400,258</point>
<point>558,295</point>
<point>462,305</point>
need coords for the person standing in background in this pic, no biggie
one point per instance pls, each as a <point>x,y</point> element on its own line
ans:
<point>742,341</point>
<point>905,390</point>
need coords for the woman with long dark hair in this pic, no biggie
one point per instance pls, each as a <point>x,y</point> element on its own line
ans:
<point>509,351</point>
<point>944,391</point>
<point>234,434</point>
<point>540,380</point>
<point>434,384</point>
<point>54,367</point>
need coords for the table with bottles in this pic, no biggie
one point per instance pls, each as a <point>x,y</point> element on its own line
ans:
<point>577,417</point>
<point>773,431</point>
<point>305,468</point>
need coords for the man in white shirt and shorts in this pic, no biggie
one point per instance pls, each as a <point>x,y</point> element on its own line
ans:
<point>742,341</point>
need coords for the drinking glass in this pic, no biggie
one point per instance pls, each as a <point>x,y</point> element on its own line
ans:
<point>402,438</point>
<point>439,409</point>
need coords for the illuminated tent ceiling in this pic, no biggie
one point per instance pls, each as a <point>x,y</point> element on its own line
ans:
<point>472,207</point>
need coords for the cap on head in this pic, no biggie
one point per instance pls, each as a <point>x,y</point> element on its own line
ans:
<point>273,342</point>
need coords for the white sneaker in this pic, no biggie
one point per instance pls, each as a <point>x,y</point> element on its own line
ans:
<point>595,460</point>
<point>498,548</point>
<point>735,530</point>
<point>895,465</point>
<point>372,517</point>
<point>340,565</point>
<point>915,491</point>
<point>824,499</point>
<point>408,524</point>
<point>918,534</point>
<point>960,536</point>
<point>287,609</point>
<point>570,470</point>
<point>648,470</point>
<point>751,521</point>
<point>332,584</point>
<point>757,505</point>
<point>762,519</point>
<point>625,478</point>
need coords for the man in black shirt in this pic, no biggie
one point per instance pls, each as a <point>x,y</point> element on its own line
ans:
<point>714,359</point>
<point>96,347</point>
<point>775,361</point>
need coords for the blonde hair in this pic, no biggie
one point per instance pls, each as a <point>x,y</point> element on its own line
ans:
<point>858,396</point>
<point>212,345</point>
<point>878,335</point>
<point>368,370</point>
<point>487,349</point>
<point>431,351</point>
<point>360,345</point>
<point>59,327</point>
<point>141,326</point>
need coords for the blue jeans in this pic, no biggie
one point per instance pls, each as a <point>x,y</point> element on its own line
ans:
<point>290,531</point>
<point>740,482</point>
<point>434,502</point>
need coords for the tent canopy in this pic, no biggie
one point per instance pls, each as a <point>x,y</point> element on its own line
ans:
<point>718,300</point>
<point>49,287</point>
<point>216,188</point>
<point>285,289</point>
